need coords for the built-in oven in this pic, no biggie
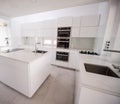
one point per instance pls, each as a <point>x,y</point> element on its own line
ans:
<point>64,31</point>
<point>62,56</point>
<point>63,37</point>
<point>63,42</point>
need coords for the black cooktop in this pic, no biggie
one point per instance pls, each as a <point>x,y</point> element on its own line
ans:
<point>88,52</point>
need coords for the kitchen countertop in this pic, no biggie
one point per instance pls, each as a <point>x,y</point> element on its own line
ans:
<point>99,82</point>
<point>25,55</point>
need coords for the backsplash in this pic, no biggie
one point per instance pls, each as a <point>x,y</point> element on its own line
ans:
<point>30,40</point>
<point>75,43</point>
<point>82,43</point>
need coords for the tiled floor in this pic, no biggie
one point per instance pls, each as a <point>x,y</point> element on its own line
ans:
<point>57,89</point>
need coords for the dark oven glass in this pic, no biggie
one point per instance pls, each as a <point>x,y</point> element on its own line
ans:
<point>62,56</point>
<point>63,44</point>
<point>63,33</point>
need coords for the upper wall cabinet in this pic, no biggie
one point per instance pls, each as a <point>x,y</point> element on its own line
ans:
<point>64,22</point>
<point>30,29</point>
<point>88,31</point>
<point>48,24</point>
<point>46,28</point>
<point>50,32</point>
<point>90,20</point>
<point>89,25</point>
<point>76,22</point>
<point>75,32</point>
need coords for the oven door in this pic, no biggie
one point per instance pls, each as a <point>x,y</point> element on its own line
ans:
<point>63,33</point>
<point>62,56</point>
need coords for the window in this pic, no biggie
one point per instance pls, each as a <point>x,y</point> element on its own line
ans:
<point>3,33</point>
<point>47,42</point>
<point>54,42</point>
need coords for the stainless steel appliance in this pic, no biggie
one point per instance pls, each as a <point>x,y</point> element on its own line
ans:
<point>63,37</point>
<point>62,56</point>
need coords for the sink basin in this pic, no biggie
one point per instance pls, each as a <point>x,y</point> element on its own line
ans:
<point>98,69</point>
<point>40,51</point>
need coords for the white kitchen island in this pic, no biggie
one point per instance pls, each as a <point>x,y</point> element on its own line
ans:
<point>24,70</point>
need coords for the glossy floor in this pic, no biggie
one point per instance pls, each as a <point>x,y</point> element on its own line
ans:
<point>57,89</point>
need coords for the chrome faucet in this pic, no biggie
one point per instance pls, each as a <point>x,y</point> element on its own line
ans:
<point>116,67</point>
<point>36,46</point>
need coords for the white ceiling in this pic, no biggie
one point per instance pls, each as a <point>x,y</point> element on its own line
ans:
<point>14,8</point>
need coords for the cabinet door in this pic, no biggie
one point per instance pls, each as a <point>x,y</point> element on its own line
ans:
<point>74,59</point>
<point>76,22</point>
<point>64,22</point>
<point>30,29</point>
<point>88,31</point>
<point>30,32</point>
<point>49,23</point>
<point>48,32</point>
<point>90,20</point>
<point>75,32</point>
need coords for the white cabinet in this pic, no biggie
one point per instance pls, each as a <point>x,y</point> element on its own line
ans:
<point>88,31</point>
<point>46,28</point>
<point>49,32</point>
<point>90,96</point>
<point>89,25</point>
<point>30,29</point>
<point>49,23</point>
<point>75,32</point>
<point>64,22</point>
<point>25,77</point>
<point>76,22</point>
<point>85,26</point>
<point>30,32</point>
<point>90,20</point>
<point>73,59</point>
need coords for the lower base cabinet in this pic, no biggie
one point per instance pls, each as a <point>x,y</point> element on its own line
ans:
<point>72,59</point>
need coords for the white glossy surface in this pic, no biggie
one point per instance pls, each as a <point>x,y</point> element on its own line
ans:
<point>24,71</point>
<point>22,55</point>
<point>88,31</point>
<point>89,96</point>
<point>103,83</point>
<point>91,20</point>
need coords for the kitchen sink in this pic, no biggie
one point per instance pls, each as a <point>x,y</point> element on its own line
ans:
<point>39,51</point>
<point>99,69</point>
